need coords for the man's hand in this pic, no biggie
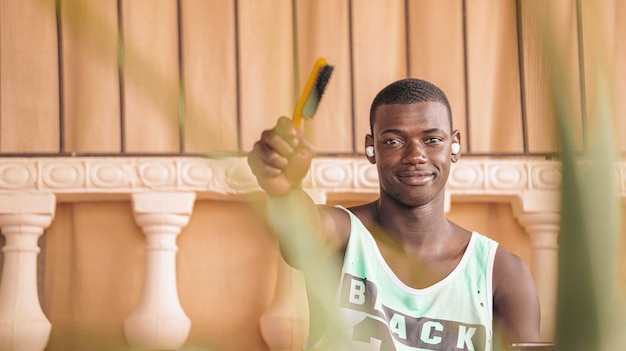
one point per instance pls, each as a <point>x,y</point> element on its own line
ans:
<point>281,158</point>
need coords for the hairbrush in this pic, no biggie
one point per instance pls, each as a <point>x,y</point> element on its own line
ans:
<point>312,93</point>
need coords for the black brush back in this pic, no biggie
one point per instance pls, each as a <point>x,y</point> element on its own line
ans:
<point>317,91</point>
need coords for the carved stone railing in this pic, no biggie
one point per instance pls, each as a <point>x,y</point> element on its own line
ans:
<point>23,219</point>
<point>158,321</point>
<point>530,185</point>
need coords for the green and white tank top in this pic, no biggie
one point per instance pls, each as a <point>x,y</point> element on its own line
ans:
<point>380,312</point>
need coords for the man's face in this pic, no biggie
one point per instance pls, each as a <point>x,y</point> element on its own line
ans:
<point>412,148</point>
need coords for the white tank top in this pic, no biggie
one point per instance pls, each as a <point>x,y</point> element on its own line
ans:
<point>380,312</point>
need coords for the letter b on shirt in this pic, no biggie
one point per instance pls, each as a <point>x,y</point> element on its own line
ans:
<point>358,294</point>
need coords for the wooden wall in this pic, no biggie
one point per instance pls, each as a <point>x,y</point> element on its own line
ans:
<point>206,76</point>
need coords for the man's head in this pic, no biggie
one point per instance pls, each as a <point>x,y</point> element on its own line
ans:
<point>409,91</point>
<point>412,142</point>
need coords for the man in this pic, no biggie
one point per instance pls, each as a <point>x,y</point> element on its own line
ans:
<point>409,278</point>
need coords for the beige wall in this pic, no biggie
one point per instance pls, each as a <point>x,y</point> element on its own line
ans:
<point>242,64</point>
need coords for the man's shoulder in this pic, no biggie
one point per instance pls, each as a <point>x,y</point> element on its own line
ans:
<point>336,225</point>
<point>509,267</point>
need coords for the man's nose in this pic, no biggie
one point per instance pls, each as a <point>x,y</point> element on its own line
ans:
<point>416,153</point>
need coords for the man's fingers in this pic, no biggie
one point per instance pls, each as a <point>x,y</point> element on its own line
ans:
<point>281,158</point>
<point>261,167</point>
<point>284,128</point>
<point>275,143</point>
<point>261,170</point>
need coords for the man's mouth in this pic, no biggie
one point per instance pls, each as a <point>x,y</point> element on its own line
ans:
<point>415,177</point>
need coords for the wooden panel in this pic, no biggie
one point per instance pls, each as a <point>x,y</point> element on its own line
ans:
<point>226,276</point>
<point>323,31</point>
<point>266,65</point>
<point>436,51</point>
<point>550,57</point>
<point>29,85</point>
<point>618,86</point>
<point>90,76</point>
<point>95,258</point>
<point>604,46</point>
<point>210,77</point>
<point>379,45</point>
<point>493,77</point>
<point>151,75</point>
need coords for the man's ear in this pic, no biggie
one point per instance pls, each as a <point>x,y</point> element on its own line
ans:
<point>455,151</point>
<point>369,149</point>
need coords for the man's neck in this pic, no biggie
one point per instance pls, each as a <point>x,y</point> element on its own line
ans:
<point>412,225</point>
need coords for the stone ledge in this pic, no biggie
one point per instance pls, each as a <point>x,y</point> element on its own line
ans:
<point>96,178</point>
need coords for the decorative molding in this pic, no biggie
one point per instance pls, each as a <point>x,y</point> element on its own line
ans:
<point>231,176</point>
<point>76,178</point>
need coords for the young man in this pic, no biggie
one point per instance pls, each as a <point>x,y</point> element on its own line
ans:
<point>410,279</point>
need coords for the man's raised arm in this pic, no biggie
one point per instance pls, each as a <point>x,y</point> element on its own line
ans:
<point>280,160</point>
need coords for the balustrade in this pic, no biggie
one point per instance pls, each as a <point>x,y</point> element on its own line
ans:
<point>158,321</point>
<point>163,192</point>
<point>23,219</point>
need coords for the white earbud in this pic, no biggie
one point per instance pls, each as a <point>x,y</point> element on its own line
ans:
<point>455,148</point>
<point>369,151</point>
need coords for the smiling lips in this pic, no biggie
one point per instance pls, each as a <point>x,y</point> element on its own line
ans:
<point>415,177</point>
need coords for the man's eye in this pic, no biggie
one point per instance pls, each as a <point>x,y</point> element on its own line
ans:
<point>392,141</point>
<point>433,140</point>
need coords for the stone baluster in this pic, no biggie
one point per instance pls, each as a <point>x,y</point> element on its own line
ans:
<point>158,321</point>
<point>23,218</point>
<point>539,213</point>
<point>543,229</point>
<point>285,323</point>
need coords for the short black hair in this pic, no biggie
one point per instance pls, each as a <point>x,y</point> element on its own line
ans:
<point>409,91</point>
